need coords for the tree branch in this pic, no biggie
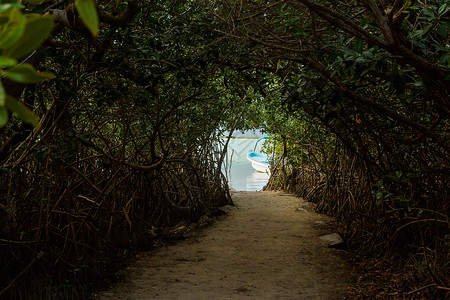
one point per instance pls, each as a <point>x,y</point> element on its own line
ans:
<point>343,23</point>
<point>381,20</point>
<point>372,103</point>
<point>426,68</point>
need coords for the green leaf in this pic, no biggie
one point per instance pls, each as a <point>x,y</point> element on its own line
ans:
<point>88,13</point>
<point>13,30</point>
<point>427,29</point>
<point>363,22</point>
<point>416,33</point>
<point>7,62</point>
<point>2,95</point>
<point>443,9</point>
<point>359,45</point>
<point>6,6</point>
<point>442,30</point>
<point>439,47</point>
<point>37,30</point>
<point>3,116</point>
<point>26,114</point>
<point>368,54</point>
<point>26,73</point>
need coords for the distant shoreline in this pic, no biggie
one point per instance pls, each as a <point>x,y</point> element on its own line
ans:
<point>242,137</point>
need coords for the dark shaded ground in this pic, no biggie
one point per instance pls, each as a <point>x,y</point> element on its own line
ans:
<point>383,280</point>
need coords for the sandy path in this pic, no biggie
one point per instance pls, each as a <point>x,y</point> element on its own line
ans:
<point>264,249</point>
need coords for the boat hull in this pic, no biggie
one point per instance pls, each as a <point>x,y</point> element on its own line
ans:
<point>259,162</point>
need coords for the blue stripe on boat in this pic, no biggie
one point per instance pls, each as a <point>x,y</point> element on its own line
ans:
<point>261,157</point>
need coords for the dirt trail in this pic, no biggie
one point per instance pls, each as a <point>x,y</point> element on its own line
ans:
<point>266,248</point>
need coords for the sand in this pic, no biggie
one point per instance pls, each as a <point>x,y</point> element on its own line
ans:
<point>267,247</point>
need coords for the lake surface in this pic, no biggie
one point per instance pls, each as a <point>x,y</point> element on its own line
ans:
<point>241,175</point>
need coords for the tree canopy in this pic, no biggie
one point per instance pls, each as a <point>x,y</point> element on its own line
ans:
<point>110,113</point>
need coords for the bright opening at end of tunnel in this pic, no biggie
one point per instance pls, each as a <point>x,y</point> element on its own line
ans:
<point>241,175</point>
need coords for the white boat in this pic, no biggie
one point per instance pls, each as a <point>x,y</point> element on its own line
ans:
<point>259,162</point>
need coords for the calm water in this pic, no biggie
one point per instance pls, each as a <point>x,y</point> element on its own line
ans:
<point>242,176</point>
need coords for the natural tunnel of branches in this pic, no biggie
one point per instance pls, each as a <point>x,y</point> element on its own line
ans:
<point>126,140</point>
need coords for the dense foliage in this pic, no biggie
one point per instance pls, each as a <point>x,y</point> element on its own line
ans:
<point>125,146</point>
<point>355,95</point>
<point>359,108</point>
